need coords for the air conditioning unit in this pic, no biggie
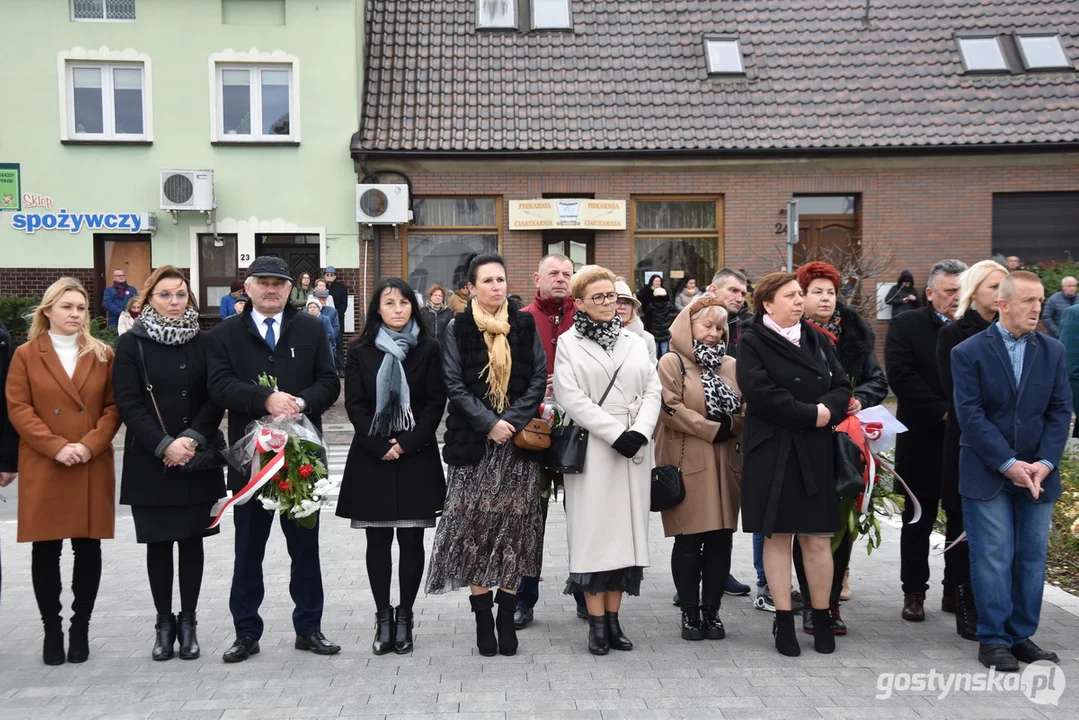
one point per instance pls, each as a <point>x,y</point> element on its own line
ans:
<point>382,204</point>
<point>187,190</point>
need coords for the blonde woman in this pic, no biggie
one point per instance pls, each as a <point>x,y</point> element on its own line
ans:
<point>978,287</point>
<point>127,318</point>
<point>60,401</point>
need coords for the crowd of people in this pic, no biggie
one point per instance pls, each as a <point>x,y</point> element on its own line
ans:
<point>743,402</point>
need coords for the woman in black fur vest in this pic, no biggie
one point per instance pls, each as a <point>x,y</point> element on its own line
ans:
<point>852,339</point>
<point>491,533</point>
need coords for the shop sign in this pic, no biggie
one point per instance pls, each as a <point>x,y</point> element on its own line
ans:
<point>567,213</point>
<point>77,222</point>
<point>10,187</point>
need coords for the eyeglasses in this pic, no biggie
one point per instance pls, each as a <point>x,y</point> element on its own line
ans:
<point>167,296</point>
<point>622,303</point>
<point>607,299</point>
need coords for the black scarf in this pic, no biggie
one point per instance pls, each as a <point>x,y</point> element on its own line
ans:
<point>832,327</point>
<point>605,334</point>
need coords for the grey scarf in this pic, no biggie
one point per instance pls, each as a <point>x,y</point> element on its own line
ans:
<point>393,402</point>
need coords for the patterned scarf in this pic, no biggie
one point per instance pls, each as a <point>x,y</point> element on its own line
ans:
<point>832,328</point>
<point>605,334</point>
<point>166,330</point>
<point>393,402</point>
<point>719,398</point>
<point>495,329</point>
<point>435,308</point>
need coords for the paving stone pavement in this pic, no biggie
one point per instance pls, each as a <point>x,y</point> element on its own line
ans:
<point>552,676</point>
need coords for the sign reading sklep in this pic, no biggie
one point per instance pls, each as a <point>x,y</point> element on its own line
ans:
<point>77,222</point>
<point>567,214</point>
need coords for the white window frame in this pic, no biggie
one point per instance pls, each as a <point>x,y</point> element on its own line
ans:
<point>1000,50</point>
<point>1020,37</point>
<point>513,24</point>
<point>104,58</point>
<point>536,26</point>
<point>104,11</point>
<point>709,39</point>
<point>253,61</point>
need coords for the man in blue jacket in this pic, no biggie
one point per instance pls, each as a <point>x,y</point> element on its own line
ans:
<point>117,296</point>
<point>1014,405</point>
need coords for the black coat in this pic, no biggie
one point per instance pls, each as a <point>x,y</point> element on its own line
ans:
<point>412,487</point>
<point>855,354</point>
<point>178,374</point>
<point>9,439</point>
<point>788,475</point>
<point>302,364</point>
<point>339,292</point>
<point>437,322</point>
<point>735,323</point>
<point>949,336</point>
<point>910,361</point>
<point>657,311</point>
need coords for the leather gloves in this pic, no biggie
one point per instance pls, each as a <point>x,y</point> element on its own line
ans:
<point>724,432</point>
<point>629,442</point>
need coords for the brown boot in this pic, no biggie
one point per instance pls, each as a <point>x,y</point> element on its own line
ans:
<point>914,607</point>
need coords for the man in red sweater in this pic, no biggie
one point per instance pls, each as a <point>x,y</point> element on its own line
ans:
<point>553,309</point>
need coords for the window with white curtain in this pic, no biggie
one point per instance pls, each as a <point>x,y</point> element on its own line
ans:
<point>445,233</point>
<point>255,103</point>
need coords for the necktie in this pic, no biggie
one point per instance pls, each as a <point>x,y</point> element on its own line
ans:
<point>270,339</point>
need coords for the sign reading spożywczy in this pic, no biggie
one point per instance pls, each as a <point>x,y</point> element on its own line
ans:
<point>77,222</point>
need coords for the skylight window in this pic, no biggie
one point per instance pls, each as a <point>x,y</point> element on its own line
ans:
<point>1040,52</point>
<point>724,56</point>
<point>551,15</point>
<point>496,14</point>
<point>982,54</point>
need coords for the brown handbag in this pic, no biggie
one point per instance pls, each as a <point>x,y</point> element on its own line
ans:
<point>535,436</point>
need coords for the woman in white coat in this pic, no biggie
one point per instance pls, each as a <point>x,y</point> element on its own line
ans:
<point>607,505</point>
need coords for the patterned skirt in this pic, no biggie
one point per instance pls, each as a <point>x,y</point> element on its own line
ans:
<point>491,531</point>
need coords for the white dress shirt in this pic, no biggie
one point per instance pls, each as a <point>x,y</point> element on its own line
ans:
<point>260,323</point>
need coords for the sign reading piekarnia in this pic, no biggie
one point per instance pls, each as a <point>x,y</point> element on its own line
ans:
<point>567,213</point>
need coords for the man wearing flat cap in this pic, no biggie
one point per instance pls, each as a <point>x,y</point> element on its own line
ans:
<point>272,337</point>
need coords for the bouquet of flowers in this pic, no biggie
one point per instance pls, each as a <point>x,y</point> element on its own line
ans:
<point>286,457</point>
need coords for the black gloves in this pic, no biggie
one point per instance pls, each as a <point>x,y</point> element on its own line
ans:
<point>724,432</point>
<point>629,442</point>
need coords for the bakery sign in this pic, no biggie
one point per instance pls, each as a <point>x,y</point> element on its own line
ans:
<point>567,214</point>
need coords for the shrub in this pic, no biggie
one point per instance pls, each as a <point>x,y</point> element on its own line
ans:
<point>13,312</point>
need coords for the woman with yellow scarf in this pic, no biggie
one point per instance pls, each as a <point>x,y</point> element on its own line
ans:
<point>491,532</point>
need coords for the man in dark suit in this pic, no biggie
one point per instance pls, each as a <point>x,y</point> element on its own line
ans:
<point>911,366</point>
<point>1013,404</point>
<point>339,292</point>
<point>9,439</point>
<point>272,337</point>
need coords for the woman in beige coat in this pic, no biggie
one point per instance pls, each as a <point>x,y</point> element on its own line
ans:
<point>60,401</point>
<point>699,430</point>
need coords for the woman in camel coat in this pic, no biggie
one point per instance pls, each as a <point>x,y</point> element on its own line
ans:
<point>703,524</point>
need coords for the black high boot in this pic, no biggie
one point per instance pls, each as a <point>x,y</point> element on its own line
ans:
<point>486,642</point>
<point>165,638</point>
<point>823,639</point>
<point>616,639</point>
<point>45,568</point>
<point>598,643</point>
<point>711,625</point>
<point>383,642</point>
<point>52,651</point>
<point>783,631</point>
<point>85,580</point>
<point>507,631</point>
<point>966,612</point>
<point>402,636</point>
<point>189,641</point>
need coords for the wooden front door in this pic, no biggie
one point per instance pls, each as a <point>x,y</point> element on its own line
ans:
<point>131,253</point>
<point>300,258</point>
<point>832,238</point>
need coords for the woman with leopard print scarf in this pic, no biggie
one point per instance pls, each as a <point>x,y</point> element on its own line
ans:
<point>699,431</point>
<point>166,349</point>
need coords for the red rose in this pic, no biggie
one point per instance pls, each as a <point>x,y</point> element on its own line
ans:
<point>306,470</point>
<point>283,486</point>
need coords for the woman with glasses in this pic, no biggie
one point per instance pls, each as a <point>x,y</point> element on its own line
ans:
<point>607,384</point>
<point>170,503</point>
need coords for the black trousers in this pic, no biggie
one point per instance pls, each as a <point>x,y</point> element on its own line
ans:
<point>914,545</point>
<point>840,561</point>
<point>956,560</point>
<point>700,564</point>
<point>85,578</point>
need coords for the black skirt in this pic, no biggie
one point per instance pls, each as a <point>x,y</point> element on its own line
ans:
<point>166,523</point>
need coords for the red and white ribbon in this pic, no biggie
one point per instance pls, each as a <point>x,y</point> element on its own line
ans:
<point>917,505</point>
<point>265,441</point>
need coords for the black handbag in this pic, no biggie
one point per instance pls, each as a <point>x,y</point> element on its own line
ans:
<point>206,458</point>
<point>569,443</point>
<point>850,465</point>
<point>668,489</point>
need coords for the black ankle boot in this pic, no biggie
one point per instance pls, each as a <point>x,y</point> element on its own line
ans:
<point>966,612</point>
<point>507,631</point>
<point>166,637</point>
<point>711,625</point>
<point>189,641</point>
<point>383,642</point>
<point>598,642</point>
<point>52,650</point>
<point>616,639</point>
<point>691,623</point>
<point>783,631</point>
<point>78,641</point>
<point>823,639</point>
<point>402,635</point>
<point>486,642</point>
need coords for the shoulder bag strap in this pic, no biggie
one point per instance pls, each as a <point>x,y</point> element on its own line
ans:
<point>682,455</point>
<point>150,385</point>
<point>608,390</point>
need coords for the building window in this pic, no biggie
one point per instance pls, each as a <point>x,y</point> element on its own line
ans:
<point>496,14</point>
<point>217,270</point>
<point>677,237</point>
<point>829,229</point>
<point>982,54</point>
<point>444,233</point>
<point>1042,52</point>
<point>1036,226</point>
<point>103,10</point>
<point>724,56</point>
<point>256,103</point>
<point>106,101</point>
<point>551,15</point>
